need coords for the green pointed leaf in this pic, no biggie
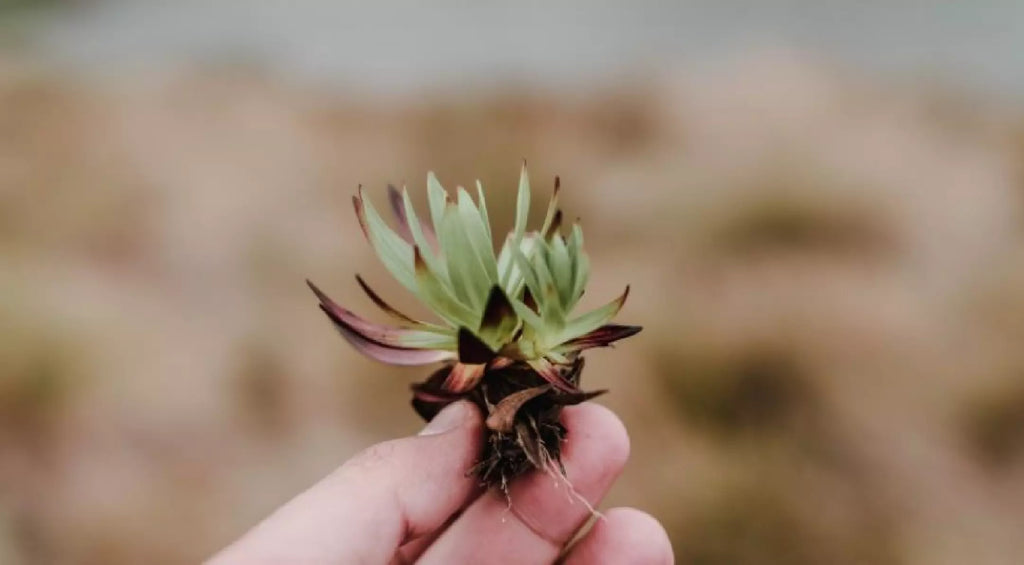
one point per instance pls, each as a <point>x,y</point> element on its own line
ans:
<point>522,211</point>
<point>482,204</point>
<point>553,212</point>
<point>437,295</point>
<point>505,263</point>
<point>546,292</point>
<point>531,320</point>
<point>519,256</point>
<point>478,236</point>
<point>393,312</point>
<point>581,268</point>
<point>560,265</point>
<point>577,259</point>
<point>468,275</point>
<point>524,273</point>
<point>420,239</point>
<point>437,199</point>
<point>590,321</point>
<point>393,251</point>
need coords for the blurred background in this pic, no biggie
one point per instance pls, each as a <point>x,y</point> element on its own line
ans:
<point>820,207</point>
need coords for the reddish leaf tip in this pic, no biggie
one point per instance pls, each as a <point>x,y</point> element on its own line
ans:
<point>471,349</point>
<point>357,203</point>
<point>376,299</point>
<point>556,225</point>
<point>319,294</point>
<point>400,213</point>
<point>419,264</point>
<point>497,309</point>
<point>463,377</point>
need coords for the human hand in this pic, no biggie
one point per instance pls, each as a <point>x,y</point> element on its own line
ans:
<point>409,500</point>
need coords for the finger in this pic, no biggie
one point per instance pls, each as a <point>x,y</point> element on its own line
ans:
<point>624,536</point>
<point>379,499</point>
<point>544,513</point>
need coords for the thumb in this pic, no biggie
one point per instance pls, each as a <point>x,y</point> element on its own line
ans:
<point>390,493</point>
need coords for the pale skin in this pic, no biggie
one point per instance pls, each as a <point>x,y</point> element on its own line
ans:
<point>409,501</point>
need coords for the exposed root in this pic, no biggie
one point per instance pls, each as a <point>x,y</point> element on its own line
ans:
<point>571,492</point>
<point>523,411</point>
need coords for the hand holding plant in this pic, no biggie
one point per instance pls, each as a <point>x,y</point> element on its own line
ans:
<point>410,501</point>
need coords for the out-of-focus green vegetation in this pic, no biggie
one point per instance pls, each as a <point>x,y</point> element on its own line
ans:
<point>830,271</point>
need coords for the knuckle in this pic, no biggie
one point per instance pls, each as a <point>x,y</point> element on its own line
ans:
<point>374,457</point>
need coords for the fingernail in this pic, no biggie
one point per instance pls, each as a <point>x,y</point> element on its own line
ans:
<point>446,420</point>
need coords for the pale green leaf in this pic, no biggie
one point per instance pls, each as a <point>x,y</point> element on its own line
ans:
<point>581,264</point>
<point>438,297</point>
<point>522,211</point>
<point>575,249</point>
<point>549,216</point>
<point>590,321</point>
<point>530,318</point>
<point>505,264</point>
<point>479,238</point>
<point>465,268</point>
<point>393,251</point>
<point>525,273</point>
<point>483,211</point>
<point>420,239</point>
<point>437,198</point>
<point>423,339</point>
<point>547,299</point>
<point>560,264</point>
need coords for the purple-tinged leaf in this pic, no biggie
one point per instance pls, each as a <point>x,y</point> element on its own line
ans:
<point>573,398</point>
<point>550,373</point>
<point>357,203</point>
<point>463,377</point>
<point>429,396</point>
<point>592,320</point>
<point>384,305</point>
<point>387,353</point>
<point>601,337</point>
<point>384,335</point>
<point>502,417</point>
<point>398,208</point>
<point>499,363</point>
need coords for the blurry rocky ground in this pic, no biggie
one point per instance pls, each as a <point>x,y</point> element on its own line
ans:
<point>829,267</point>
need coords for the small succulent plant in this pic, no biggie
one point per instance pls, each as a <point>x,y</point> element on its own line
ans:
<point>506,334</point>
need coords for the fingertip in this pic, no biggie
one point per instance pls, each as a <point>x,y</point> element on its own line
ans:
<point>601,430</point>
<point>624,536</point>
<point>643,530</point>
<point>462,415</point>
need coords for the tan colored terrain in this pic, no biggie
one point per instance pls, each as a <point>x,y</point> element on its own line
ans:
<point>830,270</point>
